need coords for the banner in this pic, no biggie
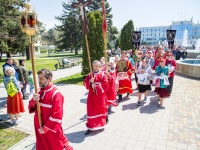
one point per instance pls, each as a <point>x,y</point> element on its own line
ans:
<point>136,37</point>
<point>170,38</point>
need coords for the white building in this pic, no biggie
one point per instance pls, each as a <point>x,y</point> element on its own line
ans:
<point>155,35</point>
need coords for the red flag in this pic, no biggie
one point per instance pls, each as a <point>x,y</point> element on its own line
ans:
<point>104,24</point>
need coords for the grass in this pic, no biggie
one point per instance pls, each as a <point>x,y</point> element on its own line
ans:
<point>39,64</point>
<point>9,137</point>
<point>73,79</point>
<point>41,61</point>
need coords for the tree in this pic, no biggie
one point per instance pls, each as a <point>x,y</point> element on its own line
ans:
<point>95,40</point>
<point>126,36</point>
<point>117,44</point>
<point>12,39</point>
<point>70,28</point>
<point>50,37</point>
<point>112,31</point>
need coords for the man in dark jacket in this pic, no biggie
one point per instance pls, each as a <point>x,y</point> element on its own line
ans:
<point>23,77</point>
<point>178,54</point>
<point>184,54</point>
<point>7,64</point>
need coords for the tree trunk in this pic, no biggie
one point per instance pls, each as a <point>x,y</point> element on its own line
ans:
<point>71,50</point>
<point>1,55</point>
<point>76,51</point>
<point>8,54</point>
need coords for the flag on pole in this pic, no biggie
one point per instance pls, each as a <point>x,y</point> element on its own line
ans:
<point>104,23</point>
<point>104,26</point>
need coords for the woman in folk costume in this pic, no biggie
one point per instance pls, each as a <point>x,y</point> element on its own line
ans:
<point>96,100</point>
<point>111,92</point>
<point>124,70</point>
<point>162,73</point>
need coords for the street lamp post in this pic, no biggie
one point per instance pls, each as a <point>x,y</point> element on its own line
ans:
<point>29,25</point>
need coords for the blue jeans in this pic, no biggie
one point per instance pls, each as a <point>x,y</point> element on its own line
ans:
<point>31,88</point>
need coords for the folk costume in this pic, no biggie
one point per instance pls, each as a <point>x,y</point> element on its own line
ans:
<point>96,101</point>
<point>124,72</point>
<point>51,106</point>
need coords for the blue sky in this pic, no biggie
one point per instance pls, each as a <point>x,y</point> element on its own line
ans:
<point>144,13</point>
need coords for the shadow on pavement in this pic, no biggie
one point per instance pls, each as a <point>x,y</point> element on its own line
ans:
<point>131,106</point>
<point>4,118</point>
<point>83,101</point>
<point>151,107</point>
<point>76,137</point>
<point>31,145</point>
<point>3,101</point>
<point>84,117</point>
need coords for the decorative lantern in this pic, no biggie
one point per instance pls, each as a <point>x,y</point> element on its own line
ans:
<point>28,20</point>
<point>29,25</point>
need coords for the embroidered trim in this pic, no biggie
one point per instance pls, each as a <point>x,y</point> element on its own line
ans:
<point>101,88</point>
<point>93,129</point>
<point>55,120</point>
<point>45,105</point>
<point>50,129</point>
<point>47,91</point>
<point>91,117</point>
<point>55,93</point>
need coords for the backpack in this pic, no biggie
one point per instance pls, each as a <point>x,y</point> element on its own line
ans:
<point>11,88</point>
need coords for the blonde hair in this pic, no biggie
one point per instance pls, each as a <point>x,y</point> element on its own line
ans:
<point>10,71</point>
<point>15,62</point>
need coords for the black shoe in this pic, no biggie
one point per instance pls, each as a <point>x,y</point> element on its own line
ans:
<point>107,121</point>
<point>128,94</point>
<point>87,132</point>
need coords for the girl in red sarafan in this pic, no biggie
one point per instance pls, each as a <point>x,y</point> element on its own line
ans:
<point>97,84</point>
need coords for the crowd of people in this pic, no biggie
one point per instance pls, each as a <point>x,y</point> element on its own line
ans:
<point>16,79</point>
<point>152,67</point>
<point>111,79</point>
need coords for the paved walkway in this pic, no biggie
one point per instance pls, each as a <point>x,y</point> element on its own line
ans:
<point>130,128</point>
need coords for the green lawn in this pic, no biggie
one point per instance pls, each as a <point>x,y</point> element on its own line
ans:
<point>9,137</point>
<point>73,79</point>
<point>39,64</point>
<point>41,61</point>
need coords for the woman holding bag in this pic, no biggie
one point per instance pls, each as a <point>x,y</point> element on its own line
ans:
<point>162,72</point>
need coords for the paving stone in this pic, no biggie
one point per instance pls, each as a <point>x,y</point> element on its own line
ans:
<point>129,129</point>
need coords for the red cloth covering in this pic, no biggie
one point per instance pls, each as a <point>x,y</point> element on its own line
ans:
<point>171,62</point>
<point>15,104</point>
<point>96,101</point>
<point>125,85</point>
<point>111,92</point>
<point>51,106</point>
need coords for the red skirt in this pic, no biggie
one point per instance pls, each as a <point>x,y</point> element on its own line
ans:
<point>162,92</point>
<point>15,104</point>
